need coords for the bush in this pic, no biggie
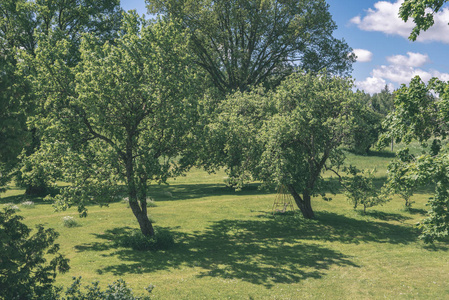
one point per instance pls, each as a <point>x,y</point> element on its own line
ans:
<point>118,290</point>
<point>360,189</point>
<point>69,221</point>
<point>27,204</point>
<point>151,203</point>
<point>12,206</point>
<point>162,240</point>
<point>24,269</point>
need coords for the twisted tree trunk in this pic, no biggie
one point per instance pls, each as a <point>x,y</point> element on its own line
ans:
<point>304,203</point>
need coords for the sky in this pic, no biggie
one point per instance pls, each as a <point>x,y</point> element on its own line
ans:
<point>380,41</point>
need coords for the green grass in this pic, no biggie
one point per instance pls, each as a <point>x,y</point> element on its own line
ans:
<point>230,246</point>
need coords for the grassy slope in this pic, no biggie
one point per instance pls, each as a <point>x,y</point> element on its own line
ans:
<point>230,246</point>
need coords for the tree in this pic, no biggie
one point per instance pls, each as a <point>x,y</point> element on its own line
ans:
<point>367,127</point>
<point>243,43</point>
<point>24,271</point>
<point>421,11</point>
<point>16,28</point>
<point>123,114</point>
<point>382,102</point>
<point>20,21</point>
<point>422,113</point>
<point>291,135</point>
<point>360,189</point>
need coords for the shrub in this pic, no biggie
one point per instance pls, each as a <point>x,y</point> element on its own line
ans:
<point>12,206</point>
<point>69,221</point>
<point>118,290</point>
<point>162,240</point>
<point>27,204</point>
<point>151,202</point>
<point>24,269</point>
<point>360,189</point>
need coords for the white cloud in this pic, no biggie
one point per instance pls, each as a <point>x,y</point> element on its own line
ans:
<point>400,74</point>
<point>384,18</point>
<point>356,20</point>
<point>400,71</point>
<point>363,55</point>
<point>372,85</point>
<point>412,60</point>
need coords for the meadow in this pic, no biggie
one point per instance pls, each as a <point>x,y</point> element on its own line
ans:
<point>229,245</point>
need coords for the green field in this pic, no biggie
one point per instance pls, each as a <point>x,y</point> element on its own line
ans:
<point>230,246</point>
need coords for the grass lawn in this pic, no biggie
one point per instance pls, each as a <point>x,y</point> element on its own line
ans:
<point>230,246</point>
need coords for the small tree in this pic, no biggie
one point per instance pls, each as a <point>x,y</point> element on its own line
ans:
<point>421,113</point>
<point>360,189</point>
<point>291,135</point>
<point>24,271</point>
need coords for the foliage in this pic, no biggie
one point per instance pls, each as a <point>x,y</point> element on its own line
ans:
<point>369,121</point>
<point>421,11</point>
<point>28,204</point>
<point>124,113</point>
<point>383,102</point>
<point>20,21</point>
<point>24,269</point>
<point>69,221</point>
<point>162,240</point>
<point>118,290</point>
<point>246,43</point>
<point>422,113</point>
<point>291,135</point>
<point>360,189</point>
<point>399,182</point>
<point>365,133</point>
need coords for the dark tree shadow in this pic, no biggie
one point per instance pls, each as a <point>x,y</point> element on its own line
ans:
<point>265,251</point>
<point>416,211</point>
<point>194,191</point>
<point>380,215</point>
<point>17,199</point>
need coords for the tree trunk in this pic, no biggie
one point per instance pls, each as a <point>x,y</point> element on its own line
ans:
<point>139,212</point>
<point>304,203</point>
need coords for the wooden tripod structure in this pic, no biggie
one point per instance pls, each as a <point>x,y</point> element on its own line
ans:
<point>283,201</point>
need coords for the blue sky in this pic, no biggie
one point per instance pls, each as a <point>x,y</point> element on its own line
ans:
<point>380,40</point>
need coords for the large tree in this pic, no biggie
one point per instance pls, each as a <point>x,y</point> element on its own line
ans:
<point>291,135</point>
<point>20,21</point>
<point>121,115</point>
<point>242,43</point>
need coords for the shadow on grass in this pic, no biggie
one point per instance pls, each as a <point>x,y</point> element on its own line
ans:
<point>416,211</point>
<point>265,251</point>
<point>380,215</point>
<point>17,199</point>
<point>178,192</point>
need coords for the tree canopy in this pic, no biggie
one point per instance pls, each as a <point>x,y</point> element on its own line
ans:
<point>291,135</point>
<point>21,22</point>
<point>122,114</point>
<point>421,112</point>
<point>421,11</point>
<point>243,43</point>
